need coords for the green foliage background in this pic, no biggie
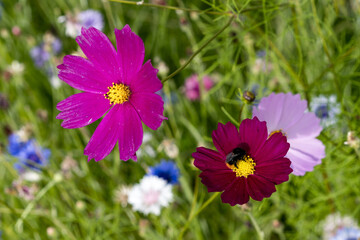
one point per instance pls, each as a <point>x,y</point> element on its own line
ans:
<point>313,46</point>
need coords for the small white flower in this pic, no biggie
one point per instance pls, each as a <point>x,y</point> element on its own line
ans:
<point>31,176</point>
<point>352,140</point>
<point>16,68</point>
<point>335,222</point>
<point>150,195</point>
<point>169,148</point>
<point>147,137</point>
<point>55,82</point>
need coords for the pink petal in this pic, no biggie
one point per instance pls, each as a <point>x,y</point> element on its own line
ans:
<point>150,108</point>
<point>207,159</point>
<point>254,133</point>
<point>105,136</point>
<point>81,74</point>
<point>276,171</point>
<point>236,193</point>
<point>270,110</point>
<point>275,147</point>
<point>225,138</point>
<point>302,161</point>
<point>217,181</point>
<point>130,132</point>
<point>293,110</point>
<point>99,50</point>
<point>308,126</point>
<point>146,79</point>
<point>130,53</point>
<point>82,109</point>
<point>259,187</point>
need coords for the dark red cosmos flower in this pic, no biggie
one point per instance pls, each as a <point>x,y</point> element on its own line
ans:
<point>246,163</point>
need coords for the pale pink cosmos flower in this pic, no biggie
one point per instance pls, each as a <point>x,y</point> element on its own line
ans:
<point>287,113</point>
<point>116,84</point>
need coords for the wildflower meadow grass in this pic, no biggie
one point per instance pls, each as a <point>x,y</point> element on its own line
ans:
<point>294,65</point>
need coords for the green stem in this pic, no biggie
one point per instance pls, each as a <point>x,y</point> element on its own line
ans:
<point>138,3</point>
<point>19,224</point>
<point>109,14</point>
<point>256,226</point>
<point>199,50</point>
<point>192,216</point>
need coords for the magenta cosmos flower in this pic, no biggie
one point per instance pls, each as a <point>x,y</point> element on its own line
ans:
<point>116,83</point>
<point>286,113</point>
<point>246,163</point>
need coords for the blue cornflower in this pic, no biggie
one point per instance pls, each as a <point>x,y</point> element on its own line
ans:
<point>39,55</point>
<point>29,153</point>
<point>56,46</point>
<point>351,233</point>
<point>326,108</point>
<point>166,170</point>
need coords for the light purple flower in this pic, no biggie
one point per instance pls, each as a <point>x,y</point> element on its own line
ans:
<point>88,18</point>
<point>286,113</point>
<point>192,86</point>
<point>39,55</point>
<point>116,83</point>
<point>91,18</point>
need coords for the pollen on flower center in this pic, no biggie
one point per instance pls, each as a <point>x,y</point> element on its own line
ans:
<point>118,93</point>
<point>243,167</point>
<point>276,131</point>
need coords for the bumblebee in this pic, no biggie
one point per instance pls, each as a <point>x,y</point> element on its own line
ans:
<point>236,155</point>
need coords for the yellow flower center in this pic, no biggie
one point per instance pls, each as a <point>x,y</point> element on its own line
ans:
<point>276,131</point>
<point>243,167</point>
<point>118,93</point>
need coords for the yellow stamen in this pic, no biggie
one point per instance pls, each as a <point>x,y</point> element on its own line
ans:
<point>118,93</point>
<point>243,167</point>
<point>276,131</point>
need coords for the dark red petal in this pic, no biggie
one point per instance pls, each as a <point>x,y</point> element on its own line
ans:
<point>276,171</point>
<point>236,193</point>
<point>275,147</point>
<point>207,159</point>
<point>258,187</point>
<point>225,138</point>
<point>254,133</point>
<point>217,181</point>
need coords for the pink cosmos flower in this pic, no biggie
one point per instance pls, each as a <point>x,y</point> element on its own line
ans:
<point>285,113</point>
<point>116,83</point>
<point>192,86</point>
<point>246,163</point>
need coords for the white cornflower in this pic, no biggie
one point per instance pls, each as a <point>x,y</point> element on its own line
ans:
<point>150,195</point>
<point>326,108</point>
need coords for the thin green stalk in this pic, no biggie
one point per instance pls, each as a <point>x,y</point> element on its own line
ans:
<point>109,14</point>
<point>256,226</point>
<point>199,50</point>
<point>19,223</point>
<point>138,3</point>
<point>192,216</point>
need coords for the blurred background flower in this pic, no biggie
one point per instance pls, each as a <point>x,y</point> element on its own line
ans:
<point>166,170</point>
<point>192,86</point>
<point>150,195</point>
<point>87,18</point>
<point>326,108</point>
